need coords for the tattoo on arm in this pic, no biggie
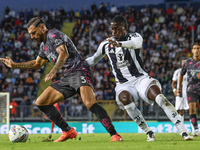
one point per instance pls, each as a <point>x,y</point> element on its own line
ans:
<point>62,58</point>
<point>25,65</point>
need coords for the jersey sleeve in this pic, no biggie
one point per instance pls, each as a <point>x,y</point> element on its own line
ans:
<point>100,53</point>
<point>42,55</point>
<point>134,41</point>
<point>56,38</point>
<point>175,76</point>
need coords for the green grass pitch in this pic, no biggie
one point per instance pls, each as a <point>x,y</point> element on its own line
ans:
<point>100,141</point>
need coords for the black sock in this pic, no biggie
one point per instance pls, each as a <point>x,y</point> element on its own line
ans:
<point>193,120</point>
<point>53,114</point>
<point>103,117</point>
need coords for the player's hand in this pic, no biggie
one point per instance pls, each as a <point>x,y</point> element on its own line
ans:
<point>7,61</point>
<point>198,75</point>
<point>178,92</point>
<point>49,76</point>
<point>114,42</point>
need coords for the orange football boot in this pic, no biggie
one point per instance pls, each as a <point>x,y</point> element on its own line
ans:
<point>67,135</point>
<point>116,138</point>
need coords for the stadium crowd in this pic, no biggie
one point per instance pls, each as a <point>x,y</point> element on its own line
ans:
<point>167,38</point>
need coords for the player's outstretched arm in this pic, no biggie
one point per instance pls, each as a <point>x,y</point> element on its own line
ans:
<point>62,58</point>
<point>33,64</point>
<point>134,43</point>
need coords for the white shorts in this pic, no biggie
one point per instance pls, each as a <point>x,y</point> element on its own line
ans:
<point>181,103</point>
<point>138,88</point>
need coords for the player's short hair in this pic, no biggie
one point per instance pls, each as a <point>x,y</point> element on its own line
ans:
<point>196,43</point>
<point>36,21</point>
<point>121,19</point>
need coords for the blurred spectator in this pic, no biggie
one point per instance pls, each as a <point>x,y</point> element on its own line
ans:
<point>13,106</point>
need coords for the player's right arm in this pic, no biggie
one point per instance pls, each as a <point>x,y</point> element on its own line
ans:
<point>100,53</point>
<point>135,41</point>
<point>174,82</point>
<point>180,79</point>
<point>33,64</point>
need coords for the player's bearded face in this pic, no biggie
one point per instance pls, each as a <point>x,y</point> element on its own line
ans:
<point>36,33</point>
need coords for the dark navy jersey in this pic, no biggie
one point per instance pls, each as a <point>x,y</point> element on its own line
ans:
<point>191,67</point>
<point>55,38</point>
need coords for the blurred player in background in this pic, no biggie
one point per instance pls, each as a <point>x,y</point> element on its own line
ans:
<point>181,103</point>
<point>57,48</point>
<point>191,66</point>
<point>132,80</point>
<point>52,123</point>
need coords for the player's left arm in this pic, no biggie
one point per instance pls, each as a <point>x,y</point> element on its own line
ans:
<point>135,42</point>
<point>62,58</point>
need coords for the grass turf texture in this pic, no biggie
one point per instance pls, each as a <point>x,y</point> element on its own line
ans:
<point>100,141</point>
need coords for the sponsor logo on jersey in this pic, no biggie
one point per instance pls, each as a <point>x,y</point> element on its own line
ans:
<point>58,42</point>
<point>51,57</point>
<point>190,63</point>
<point>121,62</point>
<point>53,35</point>
<point>111,51</point>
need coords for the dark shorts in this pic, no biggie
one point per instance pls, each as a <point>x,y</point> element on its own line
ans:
<point>193,97</point>
<point>69,85</point>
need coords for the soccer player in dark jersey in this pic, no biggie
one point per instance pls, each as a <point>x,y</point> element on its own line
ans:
<point>57,48</point>
<point>191,66</point>
<point>132,80</point>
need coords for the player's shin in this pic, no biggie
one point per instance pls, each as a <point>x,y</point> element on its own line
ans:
<point>53,114</point>
<point>136,115</point>
<point>103,117</point>
<point>170,111</point>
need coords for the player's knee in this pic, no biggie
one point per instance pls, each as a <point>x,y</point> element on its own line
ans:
<point>162,100</point>
<point>125,97</point>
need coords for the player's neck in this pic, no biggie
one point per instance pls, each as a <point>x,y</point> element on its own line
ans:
<point>45,36</point>
<point>196,58</point>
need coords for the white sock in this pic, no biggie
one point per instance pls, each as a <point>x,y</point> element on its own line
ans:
<point>182,118</point>
<point>170,111</point>
<point>192,126</point>
<point>136,115</point>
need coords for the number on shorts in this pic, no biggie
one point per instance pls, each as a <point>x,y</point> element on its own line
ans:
<point>83,79</point>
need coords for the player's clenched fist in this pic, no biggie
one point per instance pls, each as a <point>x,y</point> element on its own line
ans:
<point>7,61</point>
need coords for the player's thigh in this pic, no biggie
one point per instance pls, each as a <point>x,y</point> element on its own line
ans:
<point>128,87</point>
<point>49,97</point>
<point>143,85</point>
<point>87,96</point>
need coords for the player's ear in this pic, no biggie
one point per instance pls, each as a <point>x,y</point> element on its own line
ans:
<point>42,27</point>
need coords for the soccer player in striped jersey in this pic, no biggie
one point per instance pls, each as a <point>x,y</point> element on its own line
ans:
<point>132,80</point>
<point>181,103</point>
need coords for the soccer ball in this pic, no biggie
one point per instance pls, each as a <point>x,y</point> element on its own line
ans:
<point>18,134</point>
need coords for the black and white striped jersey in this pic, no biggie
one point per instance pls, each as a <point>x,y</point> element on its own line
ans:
<point>125,60</point>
